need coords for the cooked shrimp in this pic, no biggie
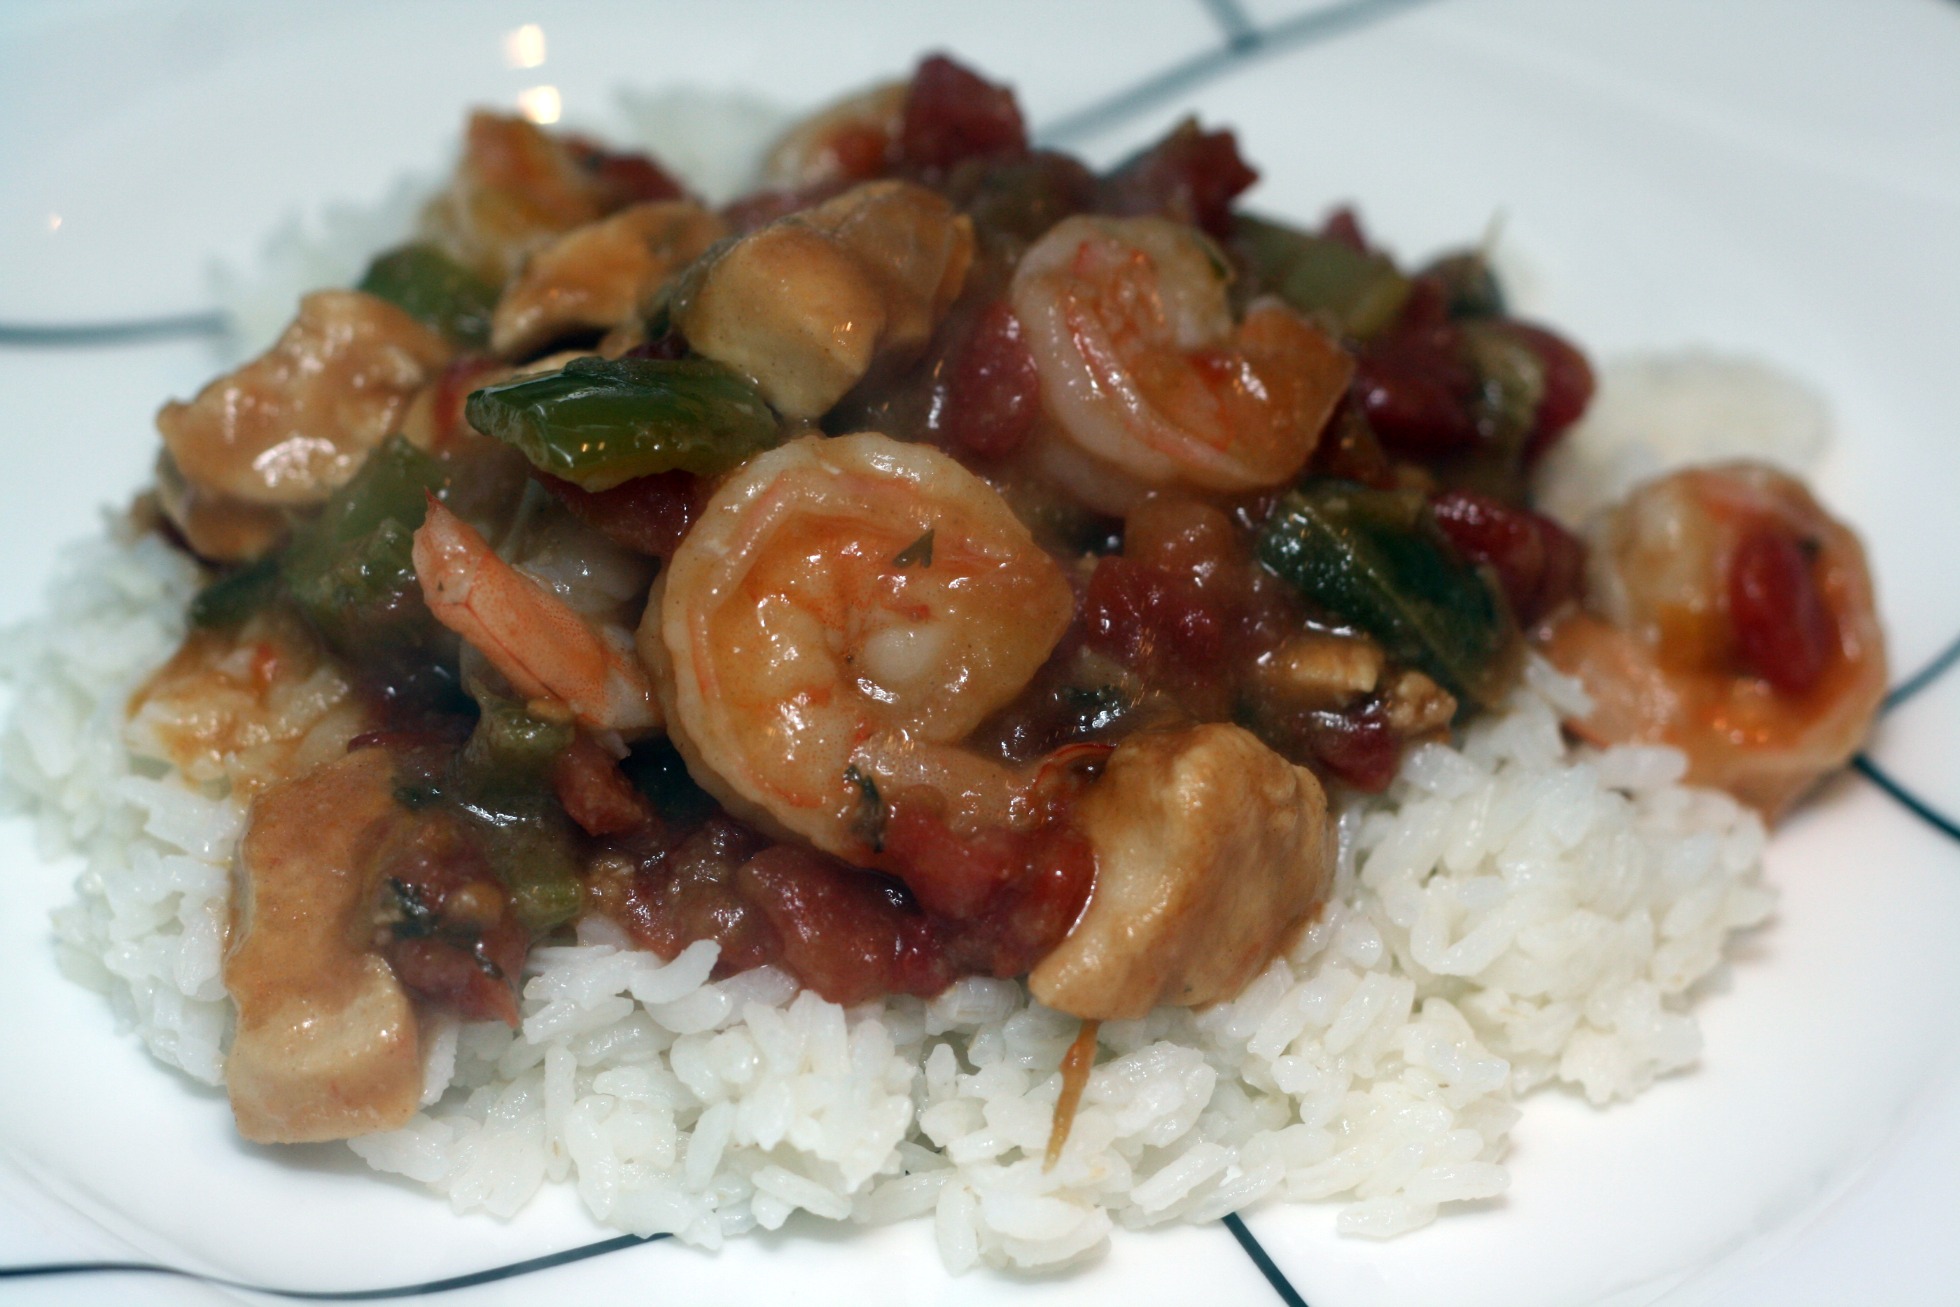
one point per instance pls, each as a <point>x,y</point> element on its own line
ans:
<point>1146,379</point>
<point>1210,850</point>
<point>841,615</point>
<point>599,275</point>
<point>546,649</point>
<point>295,424</point>
<point>806,305</point>
<point>1730,616</point>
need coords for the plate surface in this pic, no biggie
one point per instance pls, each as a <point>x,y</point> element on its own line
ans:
<point>1775,179</point>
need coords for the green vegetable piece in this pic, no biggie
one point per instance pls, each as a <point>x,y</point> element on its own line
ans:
<point>235,596</point>
<point>349,571</point>
<point>1375,558</point>
<point>1360,293</point>
<point>1470,286</point>
<point>510,753</point>
<point>536,860</point>
<point>599,422</point>
<point>427,284</point>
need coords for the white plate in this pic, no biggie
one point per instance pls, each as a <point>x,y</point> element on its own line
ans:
<point>1780,179</point>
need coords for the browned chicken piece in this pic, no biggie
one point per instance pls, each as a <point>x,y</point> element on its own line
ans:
<point>327,1045</point>
<point>806,305</point>
<point>1417,706</point>
<point>843,143</point>
<point>295,424</point>
<point>1729,615</point>
<point>600,275</point>
<point>516,188</point>
<point>250,707</point>
<point>217,527</point>
<point>1319,671</point>
<point>1211,850</point>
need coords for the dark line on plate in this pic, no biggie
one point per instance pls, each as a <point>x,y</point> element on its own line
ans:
<point>1906,799</point>
<point>1942,663</point>
<point>1240,31</point>
<point>1257,1252</point>
<point>132,331</point>
<point>1292,34</point>
<point>584,1252</point>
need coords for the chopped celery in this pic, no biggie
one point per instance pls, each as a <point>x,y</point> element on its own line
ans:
<point>1323,277</point>
<point>600,422</point>
<point>1376,559</point>
<point>427,284</point>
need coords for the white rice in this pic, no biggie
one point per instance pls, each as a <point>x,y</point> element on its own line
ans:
<point>1513,913</point>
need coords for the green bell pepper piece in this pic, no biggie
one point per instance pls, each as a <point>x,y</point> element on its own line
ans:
<point>427,284</point>
<point>1375,558</point>
<point>599,422</point>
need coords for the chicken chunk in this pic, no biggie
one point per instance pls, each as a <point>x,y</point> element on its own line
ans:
<point>294,425</point>
<point>1210,850</point>
<point>600,275</point>
<point>805,306</point>
<point>327,1044</point>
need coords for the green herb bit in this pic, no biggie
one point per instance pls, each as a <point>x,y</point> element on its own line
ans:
<point>427,284</point>
<point>869,822</point>
<point>1376,559</point>
<point>916,554</point>
<point>1360,293</point>
<point>599,422</point>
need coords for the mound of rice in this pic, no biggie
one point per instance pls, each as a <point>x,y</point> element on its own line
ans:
<point>1512,913</point>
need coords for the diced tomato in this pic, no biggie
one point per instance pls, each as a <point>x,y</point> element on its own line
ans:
<point>623,177</point>
<point>1146,617</point>
<point>952,113</point>
<point>1344,225</point>
<point>595,793</point>
<point>1359,746</point>
<point>648,514</point>
<point>1783,631</point>
<point>465,980</point>
<point>1538,562</point>
<point>952,874</point>
<point>1415,389</point>
<point>690,894</point>
<point>1190,175</point>
<point>992,392</point>
<point>850,935</point>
